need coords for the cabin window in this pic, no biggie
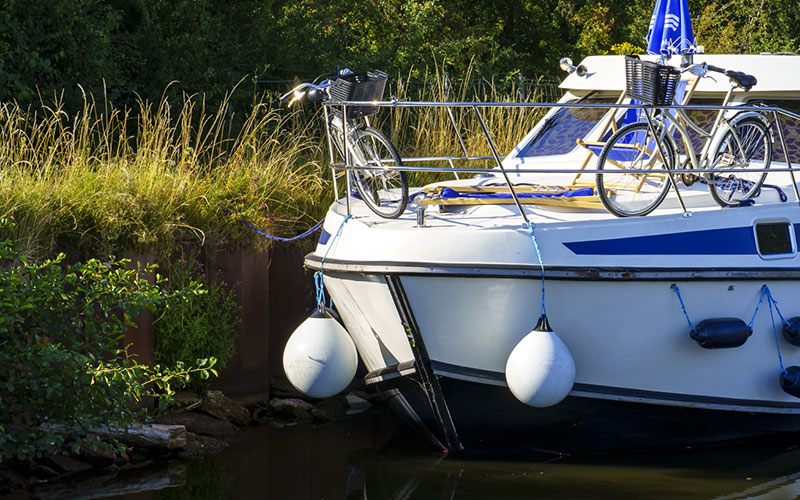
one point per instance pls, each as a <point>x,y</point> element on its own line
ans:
<point>774,239</point>
<point>562,129</point>
<point>791,131</point>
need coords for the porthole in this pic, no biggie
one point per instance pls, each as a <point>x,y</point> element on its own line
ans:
<point>775,239</point>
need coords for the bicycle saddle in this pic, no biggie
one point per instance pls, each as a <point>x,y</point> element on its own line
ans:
<point>741,79</point>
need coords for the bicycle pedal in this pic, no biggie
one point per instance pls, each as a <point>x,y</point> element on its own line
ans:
<point>689,179</point>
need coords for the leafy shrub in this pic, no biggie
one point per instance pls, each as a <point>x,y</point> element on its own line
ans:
<point>62,368</point>
<point>196,325</point>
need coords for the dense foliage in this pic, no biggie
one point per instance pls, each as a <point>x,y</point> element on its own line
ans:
<point>63,369</point>
<point>196,326</point>
<point>136,47</point>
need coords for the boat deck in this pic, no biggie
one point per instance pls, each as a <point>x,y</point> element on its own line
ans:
<point>503,213</point>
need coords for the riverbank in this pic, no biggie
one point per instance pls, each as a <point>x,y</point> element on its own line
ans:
<point>370,456</point>
<point>200,425</point>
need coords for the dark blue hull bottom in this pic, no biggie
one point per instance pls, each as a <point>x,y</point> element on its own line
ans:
<point>488,419</point>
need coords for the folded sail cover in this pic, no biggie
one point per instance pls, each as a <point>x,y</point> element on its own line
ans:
<point>452,193</point>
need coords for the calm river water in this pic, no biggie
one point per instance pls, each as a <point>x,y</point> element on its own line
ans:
<point>374,457</point>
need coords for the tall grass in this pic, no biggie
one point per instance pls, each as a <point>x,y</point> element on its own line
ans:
<point>156,178</point>
<point>170,174</point>
<point>430,131</point>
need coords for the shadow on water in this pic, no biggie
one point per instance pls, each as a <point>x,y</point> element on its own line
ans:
<point>749,471</point>
<point>369,458</point>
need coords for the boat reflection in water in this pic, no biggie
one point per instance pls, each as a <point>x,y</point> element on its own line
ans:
<point>368,458</point>
<point>733,472</point>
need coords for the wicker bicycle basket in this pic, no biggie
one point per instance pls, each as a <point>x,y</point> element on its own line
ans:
<point>649,82</point>
<point>366,86</point>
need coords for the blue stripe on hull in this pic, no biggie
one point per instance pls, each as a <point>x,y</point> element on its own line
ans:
<point>727,241</point>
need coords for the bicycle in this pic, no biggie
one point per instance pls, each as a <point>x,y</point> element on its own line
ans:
<point>745,144</point>
<point>383,190</point>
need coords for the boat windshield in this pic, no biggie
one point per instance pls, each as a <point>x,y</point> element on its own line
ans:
<point>564,127</point>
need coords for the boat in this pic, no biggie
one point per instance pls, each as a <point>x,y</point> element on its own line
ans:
<point>679,324</point>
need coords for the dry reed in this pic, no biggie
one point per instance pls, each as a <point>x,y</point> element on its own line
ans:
<point>165,175</point>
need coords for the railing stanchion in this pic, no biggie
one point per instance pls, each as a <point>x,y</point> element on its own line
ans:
<point>663,157</point>
<point>786,154</point>
<point>766,111</point>
<point>330,152</point>
<point>499,162</point>
<point>347,155</point>
<point>458,134</point>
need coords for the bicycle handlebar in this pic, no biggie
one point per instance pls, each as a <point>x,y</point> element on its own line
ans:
<point>313,92</point>
<point>738,78</point>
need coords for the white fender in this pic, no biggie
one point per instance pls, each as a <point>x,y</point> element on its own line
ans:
<point>320,358</point>
<point>540,371</point>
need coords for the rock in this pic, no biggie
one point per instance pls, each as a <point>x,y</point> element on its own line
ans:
<point>199,423</point>
<point>293,410</point>
<point>260,413</point>
<point>356,404</point>
<point>331,409</point>
<point>10,480</point>
<point>218,405</point>
<point>44,472</point>
<point>197,445</point>
<point>66,465</point>
<point>372,397</point>
<point>97,452</point>
<point>320,415</point>
<point>288,405</point>
<point>187,400</point>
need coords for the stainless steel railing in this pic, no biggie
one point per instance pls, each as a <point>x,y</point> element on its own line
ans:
<point>776,113</point>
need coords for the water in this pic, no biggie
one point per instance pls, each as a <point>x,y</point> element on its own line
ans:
<point>374,457</point>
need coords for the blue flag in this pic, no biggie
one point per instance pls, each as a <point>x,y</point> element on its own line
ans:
<point>670,29</point>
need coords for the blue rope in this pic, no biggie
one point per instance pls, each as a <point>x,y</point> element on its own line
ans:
<point>306,234</point>
<point>760,299</point>
<point>774,302</point>
<point>770,301</point>
<point>318,276</point>
<point>530,226</point>
<point>770,297</point>
<point>746,185</point>
<point>677,291</point>
<point>311,231</point>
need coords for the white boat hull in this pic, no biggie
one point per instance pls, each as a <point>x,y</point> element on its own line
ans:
<point>623,325</point>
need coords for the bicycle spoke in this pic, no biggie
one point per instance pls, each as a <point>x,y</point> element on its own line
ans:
<point>743,149</point>
<point>635,169</point>
<point>384,190</point>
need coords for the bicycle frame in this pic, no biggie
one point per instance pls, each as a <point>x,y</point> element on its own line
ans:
<point>340,139</point>
<point>676,123</point>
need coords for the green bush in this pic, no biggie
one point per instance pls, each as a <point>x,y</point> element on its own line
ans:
<point>62,367</point>
<point>196,325</point>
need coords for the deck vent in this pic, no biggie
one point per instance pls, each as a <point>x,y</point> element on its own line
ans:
<point>774,239</point>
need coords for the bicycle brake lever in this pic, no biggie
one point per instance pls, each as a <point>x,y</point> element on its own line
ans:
<point>699,70</point>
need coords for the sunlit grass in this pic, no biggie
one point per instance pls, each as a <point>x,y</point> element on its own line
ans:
<point>155,179</point>
<point>431,131</point>
<point>167,175</point>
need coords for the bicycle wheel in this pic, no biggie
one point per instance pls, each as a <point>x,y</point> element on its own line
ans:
<point>384,191</point>
<point>747,146</point>
<point>633,147</point>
